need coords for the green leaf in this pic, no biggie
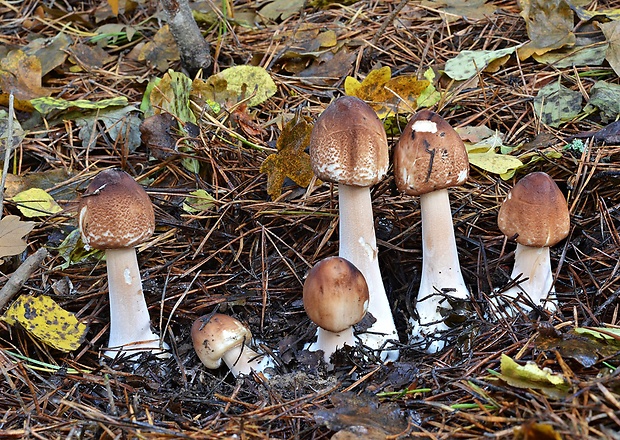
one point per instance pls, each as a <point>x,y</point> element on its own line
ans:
<point>555,104</point>
<point>171,94</point>
<point>47,321</point>
<point>469,62</point>
<point>198,201</point>
<point>606,97</point>
<point>35,202</point>
<point>46,105</point>
<point>531,376</point>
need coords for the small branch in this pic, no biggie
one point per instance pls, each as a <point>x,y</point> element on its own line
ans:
<point>8,147</point>
<point>21,275</point>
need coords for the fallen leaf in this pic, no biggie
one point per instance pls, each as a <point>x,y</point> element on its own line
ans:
<point>605,97</point>
<point>249,82</point>
<point>18,133</point>
<point>157,133</point>
<point>47,321</point>
<point>291,160</point>
<point>549,26</point>
<point>590,55</point>
<point>90,57</point>
<point>386,95</point>
<point>281,8</point>
<point>48,104</point>
<point>171,94</point>
<point>471,10</point>
<point>198,201</point>
<point>12,229</point>
<point>122,125</point>
<point>51,52</point>
<point>531,376</point>
<point>536,431</point>
<point>21,74</point>
<point>161,51</point>
<point>72,250</point>
<point>35,202</point>
<point>469,62</point>
<point>555,104</point>
<point>492,161</point>
<point>587,15</point>
<point>611,31</point>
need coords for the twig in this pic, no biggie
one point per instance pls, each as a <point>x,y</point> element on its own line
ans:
<point>7,151</point>
<point>19,277</point>
<point>390,18</point>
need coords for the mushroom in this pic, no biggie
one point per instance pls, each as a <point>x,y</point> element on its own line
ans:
<point>220,337</point>
<point>348,146</point>
<point>535,214</point>
<point>429,158</point>
<point>335,298</point>
<point>115,215</point>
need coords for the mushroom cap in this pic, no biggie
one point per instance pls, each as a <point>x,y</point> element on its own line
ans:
<point>215,336</point>
<point>429,155</point>
<point>348,144</point>
<point>535,211</point>
<point>335,294</point>
<point>115,212</point>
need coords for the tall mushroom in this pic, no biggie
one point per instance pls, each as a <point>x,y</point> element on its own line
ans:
<point>348,146</point>
<point>335,299</point>
<point>429,158</point>
<point>220,337</point>
<point>115,215</point>
<point>535,214</point>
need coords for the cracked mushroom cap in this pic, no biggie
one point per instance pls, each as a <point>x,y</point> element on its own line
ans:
<point>216,336</point>
<point>335,294</point>
<point>115,212</point>
<point>535,212</point>
<point>429,155</point>
<point>348,144</point>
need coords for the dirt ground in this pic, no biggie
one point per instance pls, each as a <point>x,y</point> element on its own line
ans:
<point>247,255</point>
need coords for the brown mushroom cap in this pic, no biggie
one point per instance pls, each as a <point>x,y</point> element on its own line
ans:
<point>429,155</point>
<point>348,144</point>
<point>217,335</point>
<point>335,294</point>
<point>535,211</point>
<point>115,212</point>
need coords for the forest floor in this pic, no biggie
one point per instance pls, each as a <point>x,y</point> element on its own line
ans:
<point>246,254</point>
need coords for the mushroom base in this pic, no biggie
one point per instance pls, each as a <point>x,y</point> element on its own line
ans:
<point>243,360</point>
<point>130,323</point>
<point>329,342</point>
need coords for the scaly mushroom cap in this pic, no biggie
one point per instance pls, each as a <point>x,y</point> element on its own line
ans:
<point>535,211</point>
<point>214,337</point>
<point>348,144</point>
<point>429,156</point>
<point>115,212</point>
<point>335,294</point>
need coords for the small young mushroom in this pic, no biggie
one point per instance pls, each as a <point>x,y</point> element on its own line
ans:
<point>220,337</point>
<point>429,158</point>
<point>535,214</point>
<point>348,146</point>
<point>335,298</point>
<point>115,215</point>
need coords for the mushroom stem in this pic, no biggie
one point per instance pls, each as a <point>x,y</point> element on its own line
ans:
<point>243,360</point>
<point>441,271</point>
<point>329,342</point>
<point>359,245</point>
<point>533,265</point>
<point>130,323</point>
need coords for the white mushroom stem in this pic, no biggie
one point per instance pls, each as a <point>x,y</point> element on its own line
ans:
<point>441,271</point>
<point>130,323</point>
<point>241,359</point>
<point>533,266</point>
<point>329,342</point>
<point>359,245</point>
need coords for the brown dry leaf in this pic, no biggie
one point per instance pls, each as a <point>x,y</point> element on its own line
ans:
<point>90,57</point>
<point>291,160</point>
<point>51,52</point>
<point>536,431</point>
<point>549,25</point>
<point>328,67</point>
<point>471,10</point>
<point>161,51</point>
<point>611,31</point>
<point>12,229</point>
<point>387,95</point>
<point>21,74</point>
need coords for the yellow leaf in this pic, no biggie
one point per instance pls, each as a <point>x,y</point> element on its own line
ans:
<point>21,74</point>
<point>47,321</point>
<point>114,6</point>
<point>12,229</point>
<point>35,202</point>
<point>533,377</point>
<point>486,158</point>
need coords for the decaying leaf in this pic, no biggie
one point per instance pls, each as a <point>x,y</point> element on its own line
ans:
<point>161,51</point>
<point>605,97</point>
<point>611,31</point>
<point>281,8</point>
<point>389,96</point>
<point>47,321</point>
<point>18,133</point>
<point>72,250</point>
<point>549,26</point>
<point>35,202</point>
<point>555,104</point>
<point>198,201</point>
<point>12,229</point>
<point>536,431</point>
<point>122,125</point>
<point>51,52</point>
<point>531,376</point>
<point>249,82</point>
<point>471,10</point>
<point>171,94</point>
<point>48,104</point>
<point>469,62</point>
<point>21,74</point>
<point>88,56</point>
<point>291,160</point>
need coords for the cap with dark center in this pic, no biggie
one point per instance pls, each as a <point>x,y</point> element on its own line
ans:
<point>429,156</point>
<point>348,144</point>
<point>335,294</point>
<point>215,337</point>
<point>535,212</point>
<point>115,212</point>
